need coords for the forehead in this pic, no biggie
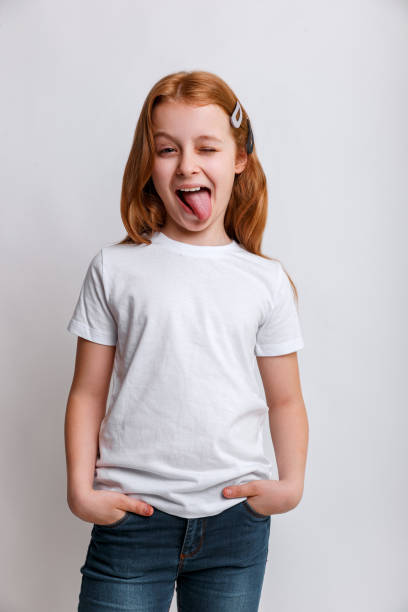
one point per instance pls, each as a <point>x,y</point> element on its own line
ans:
<point>181,120</point>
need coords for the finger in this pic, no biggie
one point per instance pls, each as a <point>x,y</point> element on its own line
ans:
<point>135,505</point>
<point>141,507</point>
<point>234,491</point>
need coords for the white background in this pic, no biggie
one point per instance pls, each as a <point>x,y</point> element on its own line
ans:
<point>325,86</point>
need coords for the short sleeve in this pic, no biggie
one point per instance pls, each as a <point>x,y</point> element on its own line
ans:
<point>280,332</point>
<point>92,318</point>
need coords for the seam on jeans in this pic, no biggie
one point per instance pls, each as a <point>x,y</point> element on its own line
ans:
<point>187,555</point>
<point>199,544</point>
<point>182,546</point>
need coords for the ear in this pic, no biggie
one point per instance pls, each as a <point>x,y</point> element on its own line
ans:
<point>241,161</point>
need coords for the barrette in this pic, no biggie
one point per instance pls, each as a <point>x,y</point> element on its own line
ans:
<point>236,120</point>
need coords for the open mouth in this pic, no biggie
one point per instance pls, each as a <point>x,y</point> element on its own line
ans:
<point>181,196</point>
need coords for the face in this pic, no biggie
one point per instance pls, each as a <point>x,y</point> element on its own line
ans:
<point>194,147</point>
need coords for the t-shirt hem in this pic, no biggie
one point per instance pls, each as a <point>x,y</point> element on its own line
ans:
<point>283,348</point>
<point>89,333</point>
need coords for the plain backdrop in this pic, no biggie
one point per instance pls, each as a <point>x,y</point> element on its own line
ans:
<point>325,86</point>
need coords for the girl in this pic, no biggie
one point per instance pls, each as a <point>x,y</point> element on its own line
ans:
<point>173,477</point>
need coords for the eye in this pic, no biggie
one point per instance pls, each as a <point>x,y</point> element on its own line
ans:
<point>166,149</point>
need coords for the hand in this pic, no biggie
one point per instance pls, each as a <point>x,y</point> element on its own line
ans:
<point>106,507</point>
<point>268,496</point>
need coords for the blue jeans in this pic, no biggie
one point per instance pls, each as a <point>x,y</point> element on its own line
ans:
<point>217,563</point>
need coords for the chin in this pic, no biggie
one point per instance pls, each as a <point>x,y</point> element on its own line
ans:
<point>193,225</point>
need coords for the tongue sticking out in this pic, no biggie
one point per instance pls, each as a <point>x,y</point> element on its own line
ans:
<point>200,202</point>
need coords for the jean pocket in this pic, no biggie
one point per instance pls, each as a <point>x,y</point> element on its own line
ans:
<point>253,512</point>
<point>118,522</point>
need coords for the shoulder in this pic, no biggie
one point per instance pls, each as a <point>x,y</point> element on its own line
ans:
<point>270,273</point>
<point>116,252</point>
<point>271,269</point>
<point>117,261</point>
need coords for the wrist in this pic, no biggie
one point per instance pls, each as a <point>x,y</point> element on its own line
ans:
<point>294,488</point>
<point>77,496</point>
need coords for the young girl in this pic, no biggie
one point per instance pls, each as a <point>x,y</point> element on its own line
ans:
<point>173,477</point>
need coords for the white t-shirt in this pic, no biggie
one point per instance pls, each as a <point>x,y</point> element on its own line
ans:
<point>185,413</point>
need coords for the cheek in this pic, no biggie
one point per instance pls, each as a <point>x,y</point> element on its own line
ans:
<point>221,168</point>
<point>157,167</point>
<point>160,173</point>
<point>222,180</point>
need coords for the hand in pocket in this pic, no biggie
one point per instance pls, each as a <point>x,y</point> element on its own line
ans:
<point>107,507</point>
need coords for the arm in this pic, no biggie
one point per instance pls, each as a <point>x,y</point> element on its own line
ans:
<point>287,419</point>
<point>85,410</point>
<point>289,430</point>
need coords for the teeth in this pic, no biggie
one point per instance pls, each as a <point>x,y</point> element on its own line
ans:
<point>192,189</point>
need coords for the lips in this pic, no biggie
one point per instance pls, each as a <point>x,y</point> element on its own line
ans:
<point>180,193</point>
<point>192,186</point>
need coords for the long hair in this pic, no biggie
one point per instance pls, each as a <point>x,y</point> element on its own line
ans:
<point>142,209</point>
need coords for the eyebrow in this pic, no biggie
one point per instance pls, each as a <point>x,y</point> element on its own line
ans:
<point>202,137</point>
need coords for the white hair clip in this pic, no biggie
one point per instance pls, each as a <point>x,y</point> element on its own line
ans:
<point>234,119</point>
<point>236,122</point>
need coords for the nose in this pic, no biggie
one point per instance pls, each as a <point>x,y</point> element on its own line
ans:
<point>187,163</point>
